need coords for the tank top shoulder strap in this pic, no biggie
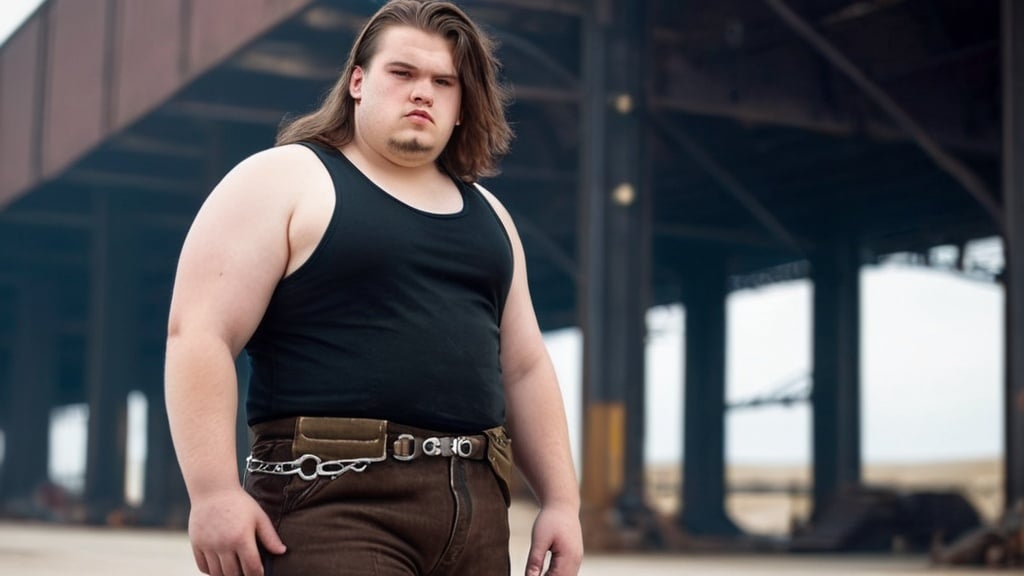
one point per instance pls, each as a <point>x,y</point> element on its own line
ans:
<point>330,157</point>
<point>344,176</point>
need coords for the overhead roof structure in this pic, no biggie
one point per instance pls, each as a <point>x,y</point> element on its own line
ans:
<point>756,138</point>
<point>759,145</point>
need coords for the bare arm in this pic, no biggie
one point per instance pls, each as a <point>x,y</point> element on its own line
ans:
<point>235,253</point>
<point>536,420</point>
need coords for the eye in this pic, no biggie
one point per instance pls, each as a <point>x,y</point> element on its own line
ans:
<point>401,73</point>
<point>444,82</point>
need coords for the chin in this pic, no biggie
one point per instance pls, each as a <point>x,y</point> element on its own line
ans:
<point>413,147</point>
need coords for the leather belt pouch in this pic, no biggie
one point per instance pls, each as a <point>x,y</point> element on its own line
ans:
<point>499,454</point>
<point>341,438</point>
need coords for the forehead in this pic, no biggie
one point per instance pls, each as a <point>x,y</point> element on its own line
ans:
<point>416,47</point>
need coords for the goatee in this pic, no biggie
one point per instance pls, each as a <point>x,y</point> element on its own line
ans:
<point>412,146</point>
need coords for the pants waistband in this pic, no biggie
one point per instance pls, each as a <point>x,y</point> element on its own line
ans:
<point>284,428</point>
<point>345,437</point>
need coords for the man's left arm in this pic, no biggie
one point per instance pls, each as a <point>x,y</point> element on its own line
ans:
<point>537,424</point>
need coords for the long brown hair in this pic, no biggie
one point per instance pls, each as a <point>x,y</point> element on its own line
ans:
<point>484,134</point>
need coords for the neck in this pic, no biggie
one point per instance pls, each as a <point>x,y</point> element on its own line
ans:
<point>393,167</point>
<point>381,166</point>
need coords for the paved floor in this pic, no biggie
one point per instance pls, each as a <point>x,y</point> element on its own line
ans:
<point>47,550</point>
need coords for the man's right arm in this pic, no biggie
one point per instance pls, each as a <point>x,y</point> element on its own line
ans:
<point>234,255</point>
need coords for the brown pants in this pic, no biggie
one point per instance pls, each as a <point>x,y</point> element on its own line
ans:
<point>434,516</point>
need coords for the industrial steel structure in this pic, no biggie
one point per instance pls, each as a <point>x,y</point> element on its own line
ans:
<point>667,151</point>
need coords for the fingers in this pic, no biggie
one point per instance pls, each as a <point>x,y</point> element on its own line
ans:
<point>535,561</point>
<point>560,565</point>
<point>216,567</point>
<point>560,541</point>
<point>201,562</point>
<point>249,555</point>
<point>249,558</point>
<point>231,565</point>
<point>267,535</point>
<point>226,531</point>
<point>563,565</point>
<point>248,563</point>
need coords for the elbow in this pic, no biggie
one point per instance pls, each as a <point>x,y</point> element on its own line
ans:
<point>173,328</point>
<point>526,367</point>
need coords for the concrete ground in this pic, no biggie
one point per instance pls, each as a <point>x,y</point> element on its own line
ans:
<point>51,550</point>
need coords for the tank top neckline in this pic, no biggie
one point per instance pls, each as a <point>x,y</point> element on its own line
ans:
<point>373,185</point>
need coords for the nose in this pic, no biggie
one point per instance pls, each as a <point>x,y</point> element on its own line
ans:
<point>423,93</point>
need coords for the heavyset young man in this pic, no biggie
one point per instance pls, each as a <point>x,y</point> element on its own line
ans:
<point>381,295</point>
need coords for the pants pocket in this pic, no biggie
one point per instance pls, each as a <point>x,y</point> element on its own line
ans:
<point>499,454</point>
<point>269,489</point>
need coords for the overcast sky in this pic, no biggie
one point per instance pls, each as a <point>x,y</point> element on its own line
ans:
<point>931,369</point>
<point>12,13</point>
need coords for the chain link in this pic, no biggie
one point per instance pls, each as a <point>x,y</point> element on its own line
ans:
<point>329,468</point>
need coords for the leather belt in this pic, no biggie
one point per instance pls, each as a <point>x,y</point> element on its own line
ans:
<point>408,447</point>
<point>331,447</point>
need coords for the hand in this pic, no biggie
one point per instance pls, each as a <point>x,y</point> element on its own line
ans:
<point>558,531</point>
<point>223,528</point>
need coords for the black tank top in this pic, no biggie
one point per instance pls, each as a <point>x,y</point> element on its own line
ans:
<point>395,315</point>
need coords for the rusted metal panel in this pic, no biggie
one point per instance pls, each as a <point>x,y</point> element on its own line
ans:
<point>219,28</point>
<point>75,81</point>
<point>19,101</point>
<point>148,56</point>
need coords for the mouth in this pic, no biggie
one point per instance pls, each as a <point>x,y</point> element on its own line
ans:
<point>420,114</point>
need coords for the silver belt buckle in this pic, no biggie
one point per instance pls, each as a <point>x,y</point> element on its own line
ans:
<point>433,446</point>
<point>460,446</point>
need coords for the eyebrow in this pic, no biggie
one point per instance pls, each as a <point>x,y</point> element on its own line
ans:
<point>406,65</point>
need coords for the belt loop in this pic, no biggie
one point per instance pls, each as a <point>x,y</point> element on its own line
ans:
<point>406,448</point>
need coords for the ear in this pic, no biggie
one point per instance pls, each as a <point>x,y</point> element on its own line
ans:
<point>355,85</point>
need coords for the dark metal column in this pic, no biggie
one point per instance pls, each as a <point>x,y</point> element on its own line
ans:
<point>1013,194</point>
<point>166,500</point>
<point>835,397</point>
<point>31,391</point>
<point>112,353</point>
<point>615,231</point>
<point>703,502</point>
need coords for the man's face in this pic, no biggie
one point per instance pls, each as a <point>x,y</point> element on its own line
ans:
<point>408,98</point>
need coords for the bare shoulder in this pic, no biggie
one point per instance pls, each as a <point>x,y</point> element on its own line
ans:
<point>269,172</point>
<point>256,199</point>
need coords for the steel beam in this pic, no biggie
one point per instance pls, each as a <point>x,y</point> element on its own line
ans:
<point>615,234</point>
<point>100,179</point>
<point>111,357</point>
<point>798,113</point>
<point>959,171</point>
<point>731,185</point>
<point>703,489</point>
<point>835,393</point>
<point>1013,194</point>
<point>569,7</point>
<point>165,501</point>
<point>734,236</point>
<point>31,389</point>
<point>550,249</point>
